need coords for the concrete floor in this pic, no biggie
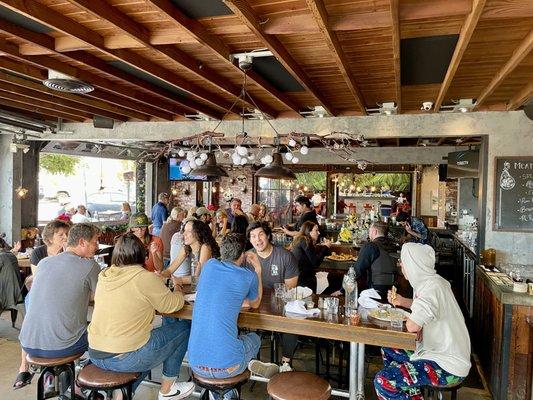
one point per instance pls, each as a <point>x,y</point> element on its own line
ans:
<point>10,359</point>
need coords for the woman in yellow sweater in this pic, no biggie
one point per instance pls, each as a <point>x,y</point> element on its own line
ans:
<point>121,336</point>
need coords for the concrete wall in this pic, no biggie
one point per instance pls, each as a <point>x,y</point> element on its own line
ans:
<point>429,185</point>
<point>468,196</point>
<point>10,212</point>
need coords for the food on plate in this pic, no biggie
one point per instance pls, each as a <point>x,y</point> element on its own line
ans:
<point>384,314</point>
<point>340,257</point>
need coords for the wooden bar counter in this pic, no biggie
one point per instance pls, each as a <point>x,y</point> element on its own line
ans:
<point>503,336</point>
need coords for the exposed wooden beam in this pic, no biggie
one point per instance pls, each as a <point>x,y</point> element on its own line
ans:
<point>103,10</point>
<point>243,10</point>
<point>77,101</point>
<point>464,38</point>
<point>22,69</point>
<point>321,17</point>
<point>198,32</point>
<point>519,54</point>
<point>47,16</point>
<point>394,9</point>
<point>53,114</point>
<point>521,97</point>
<point>158,107</point>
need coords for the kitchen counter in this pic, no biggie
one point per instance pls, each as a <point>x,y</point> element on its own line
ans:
<point>465,244</point>
<point>500,285</point>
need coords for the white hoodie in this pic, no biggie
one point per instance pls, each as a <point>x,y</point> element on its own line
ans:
<point>445,339</point>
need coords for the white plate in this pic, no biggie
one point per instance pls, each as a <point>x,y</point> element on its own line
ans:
<point>375,313</point>
<point>303,292</point>
<point>189,298</point>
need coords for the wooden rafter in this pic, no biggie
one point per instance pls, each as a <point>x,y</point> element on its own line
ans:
<point>197,30</point>
<point>394,9</point>
<point>245,13</point>
<point>22,69</point>
<point>95,106</point>
<point>521,97</point>
<point>153,106</point>
<point>105,11</point>
<point>464,38</point>
<point>519,54</point>
<point>47,16</point>
<point>54,114</point>
<point>321,17</point>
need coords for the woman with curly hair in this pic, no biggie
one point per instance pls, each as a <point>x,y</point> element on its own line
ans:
<point>309,255</point>
<point>199,245</point>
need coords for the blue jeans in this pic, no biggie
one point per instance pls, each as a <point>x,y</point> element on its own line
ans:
<point>79,347</point>
<point>251,342</point>
<point>167,345</point>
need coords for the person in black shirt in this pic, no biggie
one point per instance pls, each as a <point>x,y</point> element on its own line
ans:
<point>306,212</point>
<point>309,255</point>
<point>375,262</point>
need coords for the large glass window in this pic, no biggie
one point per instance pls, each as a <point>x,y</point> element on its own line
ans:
<point>277,195</point>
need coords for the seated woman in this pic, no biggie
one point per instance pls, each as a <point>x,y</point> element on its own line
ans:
<point>121,336</point>
<point>309,255</point>
<point>221,222</point>
<point>199,246</point>
<point>138,225</point>
<point>264,215</point>
<point>442,355</point>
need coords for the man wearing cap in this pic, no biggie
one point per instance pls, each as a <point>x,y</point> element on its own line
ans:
<point>204,215</point>
<point>160,213</point>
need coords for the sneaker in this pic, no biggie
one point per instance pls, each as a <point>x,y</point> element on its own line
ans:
<point>285,367</point>
<point>231,394</point>
<point>178,390</point>
<point>266,370</point>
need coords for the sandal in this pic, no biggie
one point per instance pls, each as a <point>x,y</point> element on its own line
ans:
<point>23,379</point>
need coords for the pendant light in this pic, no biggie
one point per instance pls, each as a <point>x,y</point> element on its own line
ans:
<point>211,170</point>
<point>276,169</point>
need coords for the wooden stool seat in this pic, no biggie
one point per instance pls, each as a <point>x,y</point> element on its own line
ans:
<point>222,382</point>
<point>93,377</point>
<point>298,385</point>
<point>52,362</point>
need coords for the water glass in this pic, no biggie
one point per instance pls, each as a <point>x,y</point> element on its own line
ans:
<point>331,305</point>
<point>279,290</point>
<point>396,319</point>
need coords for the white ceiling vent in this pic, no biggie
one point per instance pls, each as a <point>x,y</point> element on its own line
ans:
<point>64,83</point>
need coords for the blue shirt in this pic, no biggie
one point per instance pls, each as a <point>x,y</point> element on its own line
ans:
<point>418,226</point>
<point>214,341</point>
<point>159,216</point>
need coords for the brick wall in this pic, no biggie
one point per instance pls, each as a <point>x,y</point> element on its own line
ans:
<point>242,190</point>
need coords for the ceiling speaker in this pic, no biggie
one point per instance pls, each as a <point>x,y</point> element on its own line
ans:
<point>103,122</point>
<point>528,110</point>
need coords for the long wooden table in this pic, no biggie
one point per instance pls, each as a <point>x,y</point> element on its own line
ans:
<point>270,316</point>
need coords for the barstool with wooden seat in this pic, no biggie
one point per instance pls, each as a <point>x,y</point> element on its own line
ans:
<point>55,366</point>
<point>298,385</point>
<point>220,385</point>
<point>436,392</point>
<point>97,380</point>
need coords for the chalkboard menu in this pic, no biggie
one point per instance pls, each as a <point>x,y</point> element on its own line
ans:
<point>513,194</point>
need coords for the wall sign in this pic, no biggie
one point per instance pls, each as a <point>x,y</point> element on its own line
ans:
<point>513,197</point>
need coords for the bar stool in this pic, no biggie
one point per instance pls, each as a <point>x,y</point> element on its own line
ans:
<point>438,391</point>
<point>55,366</point>
<point>100,380</point>
<point>298,385</point>
<point>220,385</point>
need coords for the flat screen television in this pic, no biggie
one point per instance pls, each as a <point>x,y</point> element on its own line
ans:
<point>463,164</point>
<point>175,174</point>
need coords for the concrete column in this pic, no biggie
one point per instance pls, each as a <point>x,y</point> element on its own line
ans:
<point>10,174</point>
<point>140,182</point>
<point>29,206</point>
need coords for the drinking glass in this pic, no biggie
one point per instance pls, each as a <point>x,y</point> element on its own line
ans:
<point>396,319</point>
<point>279,290</point>
<point>331,304</point>
<point>194,276</point>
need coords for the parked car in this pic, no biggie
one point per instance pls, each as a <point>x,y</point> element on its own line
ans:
<point>62,196</point>
<point>105,201</point>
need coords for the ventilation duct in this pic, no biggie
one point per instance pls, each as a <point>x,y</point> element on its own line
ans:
<point>64,83</point>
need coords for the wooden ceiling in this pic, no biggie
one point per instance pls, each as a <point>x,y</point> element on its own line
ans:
<point>157,60</point>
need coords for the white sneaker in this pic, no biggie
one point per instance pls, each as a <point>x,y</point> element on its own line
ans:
<point>285,367</point>
<point>266,370</point>
<point>178,390</point>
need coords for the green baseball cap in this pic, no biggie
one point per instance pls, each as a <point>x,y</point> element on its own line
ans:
<point>138,220</point>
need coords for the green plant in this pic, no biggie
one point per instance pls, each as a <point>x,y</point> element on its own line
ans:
<point>58,164</point>
<point>314,180</point>
<point>114,228</point>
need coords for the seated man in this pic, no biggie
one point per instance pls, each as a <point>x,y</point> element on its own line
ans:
<point>216,350</point>
<point>374,260</point>
<point>55,324</point>
<point>442,355</point>
<point>415,228</point>
<point>277,266</point>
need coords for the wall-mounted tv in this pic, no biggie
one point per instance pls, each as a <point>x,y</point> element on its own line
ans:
<point>463,164</point>
<point>175,174</point>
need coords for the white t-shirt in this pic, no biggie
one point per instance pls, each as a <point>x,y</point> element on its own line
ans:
<point>176,243</point>
<point>79,218</point>
<point>445,338</point>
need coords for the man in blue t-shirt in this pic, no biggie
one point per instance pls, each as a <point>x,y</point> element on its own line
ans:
<point>160,213</point>
<point>216,350</point>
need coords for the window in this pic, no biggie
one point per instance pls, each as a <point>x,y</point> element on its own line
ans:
<point>277,195</point>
